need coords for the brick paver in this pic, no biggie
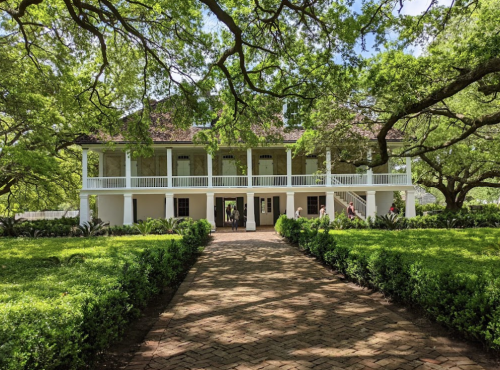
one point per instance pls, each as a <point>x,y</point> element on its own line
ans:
<point>254,302</point>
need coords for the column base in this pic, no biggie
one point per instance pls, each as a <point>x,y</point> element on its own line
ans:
<point>251,226</point>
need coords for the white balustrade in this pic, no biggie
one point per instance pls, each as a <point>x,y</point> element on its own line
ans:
<point>269,180</point>
<point>230,181</point>
<point>190,181</point>
<point>105,182</point>
<point>358,202</point>
<point>150,182</point>
<point>390,179</point>
<point>350,179</point>
<point>309,180</point>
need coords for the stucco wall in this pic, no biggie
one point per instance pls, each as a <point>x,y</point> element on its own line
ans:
<point>383,200</point>
<point>150,205</point>
<point>197,205</point>
<point>110,209</point>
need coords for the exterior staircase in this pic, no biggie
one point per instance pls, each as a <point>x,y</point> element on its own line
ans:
<point>345,197</point>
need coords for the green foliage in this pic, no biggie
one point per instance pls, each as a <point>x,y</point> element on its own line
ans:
<point>389,222</point>
<point>455,281</point>
<point>8,225</point>
<point>64,300</point>
<point>145,227</point>
<point>92,228</point>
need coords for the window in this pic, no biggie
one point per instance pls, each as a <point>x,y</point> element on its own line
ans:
<point>262,205</point>
<point>269,207</point>
<point>312,206</point>
<point>183,207</point>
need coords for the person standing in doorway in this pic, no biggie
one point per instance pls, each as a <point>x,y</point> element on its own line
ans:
<point>235,216</point>
<point>228,213</point>
<point>322,211</point>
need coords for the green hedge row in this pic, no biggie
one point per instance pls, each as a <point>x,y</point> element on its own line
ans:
<point>468,303</point>
<point>40,332</point>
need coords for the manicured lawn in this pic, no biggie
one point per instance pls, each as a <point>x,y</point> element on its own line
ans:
<point>64,299</point>
<point>465,250</point>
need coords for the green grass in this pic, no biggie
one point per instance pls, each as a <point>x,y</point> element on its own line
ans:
<point>465,251</point>
<point>27,272</point>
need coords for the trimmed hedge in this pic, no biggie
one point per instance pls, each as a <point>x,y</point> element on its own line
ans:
<point>63,301</point>
<point>455,294</point>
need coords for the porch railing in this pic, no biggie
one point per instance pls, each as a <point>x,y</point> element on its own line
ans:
<point>189,181</point>
<point>242,181</point>
<point>269,180</point>
<point>230,181</point>
<point>149,182</point>
<point>308,180</point>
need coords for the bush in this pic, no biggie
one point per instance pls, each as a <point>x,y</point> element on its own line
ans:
<point>455,282</point>
<point>78,295</point>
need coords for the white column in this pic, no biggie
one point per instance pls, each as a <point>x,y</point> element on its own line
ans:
<point>369,172</point>
<point>288,170</point>
<point>250,213</point>
<point>169,205</point>
<point>128,170</point>
<point>169,167</point>
<point>84,209</point>
<point>210,210</point>
<point>101,164</point>
<point>371,206</point>
<point>128,210</point>
<point>328,168</point>
<point>209,169</point>
<point>408,170</point>
<point>249,173</point>
<point>84,168</point>
<point>330,204</point>
<point>290,204</point>
<point>410,204</point>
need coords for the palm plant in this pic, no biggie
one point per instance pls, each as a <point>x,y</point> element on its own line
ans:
<point>8,224</point>
<point>145,227</point>
<point>92,228</point>
<point>390,222</point>
<point>169,224</point>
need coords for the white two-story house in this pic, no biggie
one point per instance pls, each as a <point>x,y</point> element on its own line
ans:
<point>182,180</point>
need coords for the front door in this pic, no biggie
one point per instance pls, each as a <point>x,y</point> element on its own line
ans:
<point>240,205</point>
<point>311,168</point>
<point>256,208</point>
<point>276,209</point>
<point>266,169</point>
<point>220,212</point>
<point>229,169</point>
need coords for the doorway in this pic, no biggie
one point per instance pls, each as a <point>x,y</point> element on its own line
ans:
<point>222,218</point>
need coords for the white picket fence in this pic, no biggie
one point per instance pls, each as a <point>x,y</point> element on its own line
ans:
<point>47,215</point>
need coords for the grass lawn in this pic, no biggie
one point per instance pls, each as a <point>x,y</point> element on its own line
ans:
<point>64,298</point>
<point>463,250</point>
<point>28,270</point>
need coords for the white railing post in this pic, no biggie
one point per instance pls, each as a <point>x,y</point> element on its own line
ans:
<point>101,164</point>
<point>330,204</point>
<point>250,225</point>
<point>209,171</point>
<point>408,170</point>
<point>289,169</point>
<point>290,204</point>
<point>410,204</point>
<point>210,210</point>
<point>128,170</point>
<point>169,167</point>
<point>249,169</point>
<point>371,205</point>
<point>169,205</point>
<point>84,209</point>
<point>369,172</point>
<point>84,169</point>
<point>128,210</point>
<point>328,167</point>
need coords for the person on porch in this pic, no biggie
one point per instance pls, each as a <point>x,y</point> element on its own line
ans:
<point>235,216</point>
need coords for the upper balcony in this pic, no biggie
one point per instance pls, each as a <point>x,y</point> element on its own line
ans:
<point>192,168</point>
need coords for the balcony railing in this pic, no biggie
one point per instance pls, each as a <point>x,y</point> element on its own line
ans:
<point>268,181</point>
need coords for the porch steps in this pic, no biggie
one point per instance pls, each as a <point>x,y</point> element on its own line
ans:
<point>345,197</point>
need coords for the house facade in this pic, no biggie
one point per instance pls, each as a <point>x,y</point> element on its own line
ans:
<point>182,180</point>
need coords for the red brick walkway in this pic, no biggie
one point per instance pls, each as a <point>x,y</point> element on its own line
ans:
<point>254,302</point>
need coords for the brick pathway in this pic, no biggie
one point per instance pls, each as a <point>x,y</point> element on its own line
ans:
<point>253,302</point>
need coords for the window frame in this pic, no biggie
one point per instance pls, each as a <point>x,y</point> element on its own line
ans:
<point>182,208</point>
<point>309,206</point>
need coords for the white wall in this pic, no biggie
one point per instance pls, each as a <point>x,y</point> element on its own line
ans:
<point>197,205</point>
<point>111,209</point>
<point>301,201</point>
<point>150,205</point>
<point>383,200</point>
